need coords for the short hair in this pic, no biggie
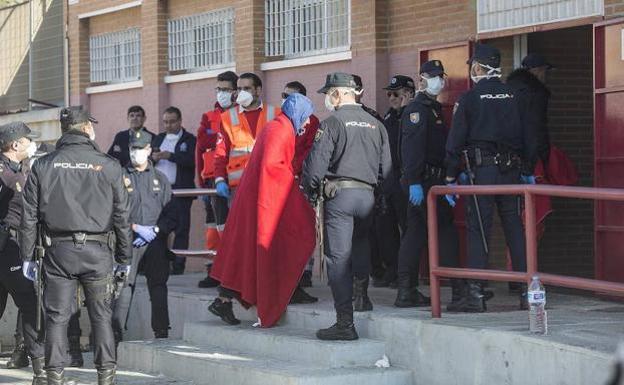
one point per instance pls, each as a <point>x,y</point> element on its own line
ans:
<point>173,110</point>
<point>255,79</point>
<point>228,76</point>
<point>358,82</point>
<point>300,88</point>
<point>136,109</point>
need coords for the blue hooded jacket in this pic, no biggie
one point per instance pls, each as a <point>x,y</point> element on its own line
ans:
<point>298,109</point>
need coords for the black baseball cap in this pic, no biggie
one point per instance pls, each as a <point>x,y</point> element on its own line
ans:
<point>14,131</point>
<point>486,54</point>
<point>432,67</point>
<point>140,139</point>
<point>338,79</point>
<point>400,81</point>
<point>74,115</point>
<point>534,60</point>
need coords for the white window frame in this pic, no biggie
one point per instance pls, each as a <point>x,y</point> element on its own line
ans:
<point>302,28</point>
<point>115,57</point>
<point>201,42</point>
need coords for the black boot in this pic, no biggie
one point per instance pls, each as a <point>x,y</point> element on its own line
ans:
<point>361,302</point>
<point>408,296</point>
<point>106,376</point>
<point>473,301</point>
<point>301,297</point>
<point>459,291</point>
<point>524,302</point>
<point>208,281</point>
<point>75,352</point>
<point>342,330</point>
<point>19,358</point>
<point>58,378</point>
<point>224,311</point>
<point>39,375</point>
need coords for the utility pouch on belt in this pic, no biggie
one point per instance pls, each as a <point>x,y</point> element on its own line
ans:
<point>507,161</point>
<point>4,236</point>
<point>330,189</point>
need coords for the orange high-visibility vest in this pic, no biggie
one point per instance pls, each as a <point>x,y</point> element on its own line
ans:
<point>236,127</point>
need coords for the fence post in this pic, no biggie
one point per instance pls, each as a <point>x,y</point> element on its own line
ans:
<point>434,257</point>
<point>530,232</point>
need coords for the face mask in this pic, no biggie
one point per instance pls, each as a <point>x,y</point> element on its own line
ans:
<point>328,104</point>
<point>92,135</point>
<point>31,149</point>
<point>171,136</point>
<point>434,85</point>
<point>224,99</point>
<point>244,98</point>
<point>138,157</point>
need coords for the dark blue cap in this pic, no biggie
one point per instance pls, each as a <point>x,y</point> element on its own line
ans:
<point>140,139</point>
<point>13,131</point>
<point>534,60</point>
<point>432,68</point>
<point>74,115</point>
<point>485,54</point>
<point>400,81</point>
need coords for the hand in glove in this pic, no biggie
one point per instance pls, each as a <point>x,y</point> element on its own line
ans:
<point>139,242</point>
<point>148,233</point>
<point>527,179</point>
<point>223,190</point>
<point>29,270</point>
<point>416,195</point>
<point>451,198</point>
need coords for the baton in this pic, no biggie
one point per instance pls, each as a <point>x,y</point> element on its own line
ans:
<point>319,231</point>
<point>471,178</point>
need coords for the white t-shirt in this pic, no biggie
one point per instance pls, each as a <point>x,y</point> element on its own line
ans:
<point>165,166</point>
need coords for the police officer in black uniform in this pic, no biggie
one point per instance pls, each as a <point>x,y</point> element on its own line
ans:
<point>17,147</point>
<point>488,128</point>
<point>77,195</point>
<point>351,154</point>
<point>152,218</point>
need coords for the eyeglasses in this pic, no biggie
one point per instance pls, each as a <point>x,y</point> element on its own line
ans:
<point>219,89</point>
<point>393,93</point>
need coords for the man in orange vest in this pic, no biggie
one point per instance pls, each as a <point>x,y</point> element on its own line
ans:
<point>216,207</point>
<point>239,128</point>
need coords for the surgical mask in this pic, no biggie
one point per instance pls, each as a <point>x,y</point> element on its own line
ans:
<point>434,85</point>
<point>224,99</point>
<point>31,149</point>
<point>328,103</point>
<point>138,157</point>
<point>244,98</point>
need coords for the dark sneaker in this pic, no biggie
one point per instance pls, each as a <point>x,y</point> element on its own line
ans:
<point>224,311</point>
<point>208,282</point>
<point>338,332</point>
<point>411,298</point>
<point>301,297</point>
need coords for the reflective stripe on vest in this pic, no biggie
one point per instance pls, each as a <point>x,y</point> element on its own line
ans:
<point>270,113</point>
<point>234,116</point>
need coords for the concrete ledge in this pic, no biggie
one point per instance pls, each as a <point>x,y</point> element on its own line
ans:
<point>104,11</point>
<point>114,87</point>
<point>197,75</point>
<point>306,61</point>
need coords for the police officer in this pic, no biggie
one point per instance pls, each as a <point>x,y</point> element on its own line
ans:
<point>351,154</point>
<point>77,195</point>
<point>152,218</point>
<point>488,130</point>
<point>390,218</point>
<point>17,147</point>
<point>421,144</point>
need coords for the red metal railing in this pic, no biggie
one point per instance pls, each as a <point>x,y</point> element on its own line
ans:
<point>193,192</point>
<point>529,192</point>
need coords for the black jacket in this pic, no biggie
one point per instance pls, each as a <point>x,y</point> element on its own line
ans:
<point>120,149</point>
<point>13,176</point>
<point>392,122</point>
<point>76,188</point>
<point>533,98</point>
<point>183,157</point>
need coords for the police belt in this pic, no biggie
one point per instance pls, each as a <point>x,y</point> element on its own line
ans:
<point>81,238</point>
<point>351,183</point>
<point>433,172</point>
<point>480,158</point>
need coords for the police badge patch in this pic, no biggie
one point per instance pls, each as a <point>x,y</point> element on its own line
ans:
<point>183,147</point>
<point>415,117</point>
<point>126,181</point>
<point>318,135</point>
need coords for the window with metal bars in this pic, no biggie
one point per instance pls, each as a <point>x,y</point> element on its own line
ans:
<point>115,57</point>
<point>202,41</point>
<point>296,28</point>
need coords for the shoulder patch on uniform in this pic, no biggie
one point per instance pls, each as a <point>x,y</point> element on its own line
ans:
<point>183,147</point>
<point>318,135</point>
<point>155,182</point>
<point>127,181</point>
<point>414,117</point>
<point>18,187</point>
<point>116,148</point>
<point>455,107</point>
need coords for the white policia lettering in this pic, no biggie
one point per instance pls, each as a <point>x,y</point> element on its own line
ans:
<point>497,96</point>
<point>359,124</point>
<point>78,166</point>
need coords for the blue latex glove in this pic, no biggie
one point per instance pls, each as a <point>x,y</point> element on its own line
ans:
<point>463,178</point>
<point>450,198</point>
<point>527,179</point>
<point>223,190</point>
<point>416,195</point>
<point>139,242</point>
<point>146,232</point>
<point>29,269</point>
<point>206,199</point>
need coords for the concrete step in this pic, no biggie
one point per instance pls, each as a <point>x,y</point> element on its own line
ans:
<point>284,343</point>
<point>212,365</point>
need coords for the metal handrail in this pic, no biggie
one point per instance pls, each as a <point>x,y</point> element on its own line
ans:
<point>193,192</point>
<point>528,191</point>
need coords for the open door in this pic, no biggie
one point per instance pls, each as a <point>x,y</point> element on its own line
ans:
<point>609,147</point>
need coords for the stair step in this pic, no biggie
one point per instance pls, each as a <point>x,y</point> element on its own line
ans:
<point>284,343</point>
<point>211,365</point>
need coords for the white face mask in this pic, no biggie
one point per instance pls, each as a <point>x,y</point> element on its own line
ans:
<point>139,156</point>
<point>244,98</point>
<point>31,149</point>
<point>92,135</point>
<point>434,85</point>
<point>224,99</point>
<point>328,103</point>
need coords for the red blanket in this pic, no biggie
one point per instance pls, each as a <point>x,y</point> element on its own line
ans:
<point>269,234</point>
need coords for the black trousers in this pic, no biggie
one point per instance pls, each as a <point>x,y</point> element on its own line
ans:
<point>388,227</point>
<point>181,240</point>
<point>66,264</point>
<point>13,282</point>
<point>509,212</point>
<point>414,239</point>
<point>348,220</point>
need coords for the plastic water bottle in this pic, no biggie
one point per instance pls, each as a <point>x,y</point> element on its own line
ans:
<point>536,296</point>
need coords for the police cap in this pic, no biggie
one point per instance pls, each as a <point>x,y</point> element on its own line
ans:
<point>485,54</point>
<point>74,115</point>
<point>534,60</point>
<point>338,79</point>
<point>432,68</point>
<point>14,131</point>
<point>400,81</point>
<point>140,139</point>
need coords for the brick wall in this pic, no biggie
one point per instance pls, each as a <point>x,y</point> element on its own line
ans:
<point>614,8</point>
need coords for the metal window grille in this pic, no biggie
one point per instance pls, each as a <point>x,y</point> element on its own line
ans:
<point>116,57</point>
<point>202,41</point>
<point>295,28</point>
